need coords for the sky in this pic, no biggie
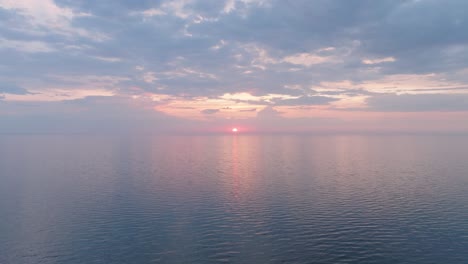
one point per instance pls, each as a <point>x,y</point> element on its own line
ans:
<point>202,66</point>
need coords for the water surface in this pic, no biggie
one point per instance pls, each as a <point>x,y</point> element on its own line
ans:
<point>233,199</point>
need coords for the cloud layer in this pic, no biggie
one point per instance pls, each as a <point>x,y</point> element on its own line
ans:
<point>316,63</point>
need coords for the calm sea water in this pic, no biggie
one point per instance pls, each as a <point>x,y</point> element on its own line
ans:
<point>233,199</point>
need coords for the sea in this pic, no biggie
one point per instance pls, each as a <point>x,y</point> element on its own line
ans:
<point>233,199</point>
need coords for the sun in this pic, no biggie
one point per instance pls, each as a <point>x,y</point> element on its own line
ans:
<point>235,130</point>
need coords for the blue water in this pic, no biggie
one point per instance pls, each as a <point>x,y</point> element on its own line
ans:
<point>233,199</point>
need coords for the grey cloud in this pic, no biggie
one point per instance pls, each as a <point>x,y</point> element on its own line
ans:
<point>442,89</point>
<point>270,120</point>
<point>157,42</point>
<point>306,100</point>
<point>418,102</point>
<point>348,92</point>
<point>210,111</point>
<point>12,89</point>
<point>248,110</point>
<point>417,25</point>
<point>298,25</point>
<point>417,33</point>
<point>109,7</point>
<point>88,115</point>
<point>184,107</point>
<point>268,113</point>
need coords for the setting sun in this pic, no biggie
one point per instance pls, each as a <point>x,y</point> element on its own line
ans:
<point>235,130</point>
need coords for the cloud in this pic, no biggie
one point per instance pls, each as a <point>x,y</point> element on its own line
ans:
<point>209,111</point>
<point>46,17</point>
<point>229,6</point>
<point>12,89</point>
<point>108,59</point>
<point>248,110</point>
<point>418,102</point>
<point>306,59</point>
<point>378,61</point>
<point>306,100</point>
<point>153,12</point>
<point>253,58</point>
<point>26,46</point>
<point>332,53</point>
<point>346,92</point>
<point>268,112</point>
<point>88,115</point>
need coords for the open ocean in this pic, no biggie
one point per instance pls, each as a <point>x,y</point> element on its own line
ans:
<point>233,199</point>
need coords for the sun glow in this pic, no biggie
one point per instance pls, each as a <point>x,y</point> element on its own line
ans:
<point>235,130</point>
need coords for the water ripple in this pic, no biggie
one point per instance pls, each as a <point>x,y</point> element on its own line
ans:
<point>237,199</point>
